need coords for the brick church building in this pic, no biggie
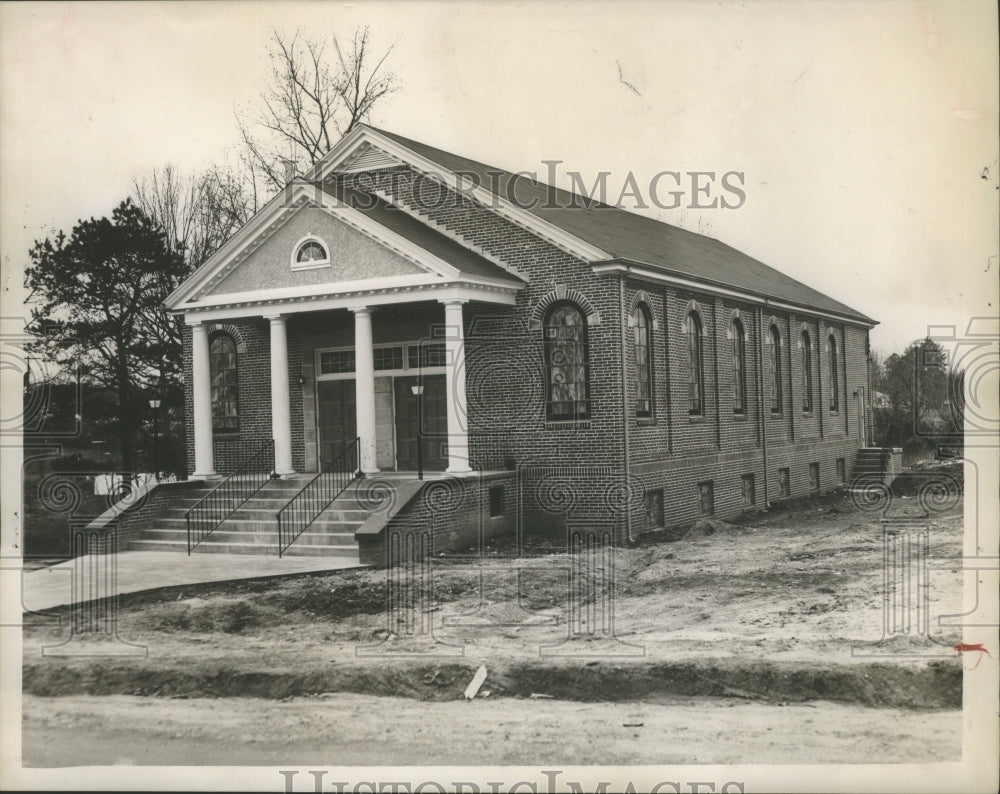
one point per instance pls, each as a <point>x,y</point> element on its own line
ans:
<point>542,359</point>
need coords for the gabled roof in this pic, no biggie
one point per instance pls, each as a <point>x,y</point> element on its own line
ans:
<point>634,239</point>
<point>465,261</point>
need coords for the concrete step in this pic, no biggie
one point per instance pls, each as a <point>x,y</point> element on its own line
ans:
<point>340,552</point>
<point>309,538</point>
<point>333,525</point>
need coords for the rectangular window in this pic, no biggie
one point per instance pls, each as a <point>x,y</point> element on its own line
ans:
<point>706,498</point>
<point>497,501</point>
<point>841,471</point>
<point>653,504</point>
<point>814,476</point>
<point>427,354</point>
<point>388,357</point>
<point>336,362</point>
<point>784,483</point>
<point>749,490</point>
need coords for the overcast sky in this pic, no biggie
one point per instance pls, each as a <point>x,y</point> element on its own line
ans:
<point>866,131</point>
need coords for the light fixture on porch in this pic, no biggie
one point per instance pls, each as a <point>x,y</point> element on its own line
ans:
<point>418,390</point>
<point>155,405</point>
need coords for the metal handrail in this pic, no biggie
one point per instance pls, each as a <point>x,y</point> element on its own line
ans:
<point>229,495</point>
<point>318,494</point>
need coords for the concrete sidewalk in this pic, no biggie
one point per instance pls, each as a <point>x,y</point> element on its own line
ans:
<point>86,578</point>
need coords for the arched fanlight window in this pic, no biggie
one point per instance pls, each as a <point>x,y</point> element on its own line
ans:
<point>643,363</point>
<point>774,365</point>
<point>807,378</point>
<point>567,390</point>
<point>696,368</point>
<point>310,253</point>
<point>739,367</point>
<point>834,385</point>
<point>225,384</point>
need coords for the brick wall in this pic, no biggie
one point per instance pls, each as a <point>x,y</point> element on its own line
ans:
<point>451,514</point>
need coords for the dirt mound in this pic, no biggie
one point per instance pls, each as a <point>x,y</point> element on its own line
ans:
<point>706,527</point>
<point>931,479</point>
<point>935,685</point>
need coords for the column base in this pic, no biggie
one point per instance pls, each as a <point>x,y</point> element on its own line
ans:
<point>203,475</point>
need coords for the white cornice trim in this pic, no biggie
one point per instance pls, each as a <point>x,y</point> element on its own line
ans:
<point>557,236</point>
<point>243,305</point>
<point>656,276</point>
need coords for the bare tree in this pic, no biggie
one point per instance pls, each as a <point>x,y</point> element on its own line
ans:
<point>197,212</point>
<point>309,102</point>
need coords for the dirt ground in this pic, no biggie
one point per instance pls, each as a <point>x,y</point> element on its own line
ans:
<point>365,730</point>
<point>774,627</point>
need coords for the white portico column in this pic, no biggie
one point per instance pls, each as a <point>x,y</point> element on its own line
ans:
<point>458,419</point>
<point>364,383</point>
<point>281,408</point>
<point>204,465</point>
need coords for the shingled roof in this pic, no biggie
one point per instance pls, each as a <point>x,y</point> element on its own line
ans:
<point>396,220</point>
<point>635,239</point>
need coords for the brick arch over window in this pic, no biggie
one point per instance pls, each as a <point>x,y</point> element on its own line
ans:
<point>641,298</point>
<point>561,293</point>
<point>232,330</point>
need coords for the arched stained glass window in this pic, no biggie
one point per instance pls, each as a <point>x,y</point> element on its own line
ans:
<point>807,378</point>
<point>775,369</point>
<point>225,384</point>
<point>567,391</point>
<point>739,367</point>
<point>643,363</point>
<point>696,368</point>
<point>834,384</point>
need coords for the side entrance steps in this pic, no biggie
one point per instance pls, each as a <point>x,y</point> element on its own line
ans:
<point>877,465</point>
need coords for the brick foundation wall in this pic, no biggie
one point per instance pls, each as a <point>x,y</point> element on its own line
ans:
<point>448,514</point>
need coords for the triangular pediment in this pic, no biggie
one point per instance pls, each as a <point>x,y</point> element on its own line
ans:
<point>261,257</point>
<point>352,256</point>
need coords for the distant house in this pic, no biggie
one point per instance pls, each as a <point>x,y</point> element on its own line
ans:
<point>598,365</point>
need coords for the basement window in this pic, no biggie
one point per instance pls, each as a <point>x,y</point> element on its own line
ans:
<point>784,483</point>
<point>497,501</point>
<point>749,490</point>
<point>653,504</point>
<point>706,498</point>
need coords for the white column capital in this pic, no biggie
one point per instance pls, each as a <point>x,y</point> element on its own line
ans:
<point>453,301</point>
<point>362,310</point>
<point>275,318</point>
<point>198,325</point>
